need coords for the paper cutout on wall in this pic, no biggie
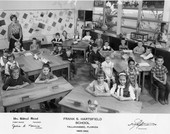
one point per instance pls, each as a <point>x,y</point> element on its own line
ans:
<point>25,15</point>
<point>42,14</point>
<point>3,14</point>
<point>2,22</point>
<point>61,13</point>
<point>41,25</point>
<point>62,28</point>
<point>3,32</point>
<point>49,28</point>
<point>69,13</point>
<point>50,15</point>
<point>70,25</point>
<point>60,20</point>
<point>31,30</point>
<point>54,24</point>
<point>26,26</point>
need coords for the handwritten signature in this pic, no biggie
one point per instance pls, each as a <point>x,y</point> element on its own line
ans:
<point>24,125</point>
<point>140,124</point>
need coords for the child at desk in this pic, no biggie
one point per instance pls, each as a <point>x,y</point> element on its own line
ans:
<point>68,55</point>
<point>15,81</point>
<point>46,75</point>
<point>57,39</point>
<point>18,48</point>
<point>3,61</point>
<point>95,58</point>
<point>107,67</point>
<point>123,45</point>
<point>58,50</point>
<point>133,72</point>
<point>99,41</point>
<point>139,49</point>
<point>99,87</point>
<point>123,90</point>
<point>106,47</point>
<point>148,54</point>
<point>87,37</point>
<point>34,45</point>
<point>160,79</point>
<point>64,35</point>
<point>10,64</point>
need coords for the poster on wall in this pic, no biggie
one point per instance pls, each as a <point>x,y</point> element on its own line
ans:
<point>42,24</point>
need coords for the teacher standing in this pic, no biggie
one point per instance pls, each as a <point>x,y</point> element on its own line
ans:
<point>14,32</point>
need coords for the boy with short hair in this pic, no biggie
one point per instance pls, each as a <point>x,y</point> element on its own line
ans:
<point>160,79</point>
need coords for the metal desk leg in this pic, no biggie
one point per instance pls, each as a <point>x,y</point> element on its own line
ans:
<point>69,72</point>
<point>143,81</point>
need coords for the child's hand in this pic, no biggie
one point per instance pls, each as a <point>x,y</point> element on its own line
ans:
<point>95,94</point>
<point>47,81</point>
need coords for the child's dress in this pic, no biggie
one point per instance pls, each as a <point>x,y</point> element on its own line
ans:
<point>108,69</point>
<point>120,90</point>
<point>108,48</point>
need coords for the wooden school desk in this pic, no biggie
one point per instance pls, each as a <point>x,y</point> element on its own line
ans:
<point>35,93</point>
<point>120,64</point>
<point>106,104</point>
<point>33,67</point>
<point>1,105</point>
<point>79,46</point>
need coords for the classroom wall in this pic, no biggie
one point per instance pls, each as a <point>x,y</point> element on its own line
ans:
<point>35,20</point>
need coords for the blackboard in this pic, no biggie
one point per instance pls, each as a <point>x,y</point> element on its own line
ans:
<point>98,3</point>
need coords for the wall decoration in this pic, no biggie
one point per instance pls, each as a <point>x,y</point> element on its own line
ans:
<point>43,23</point>
<point>3,14</point>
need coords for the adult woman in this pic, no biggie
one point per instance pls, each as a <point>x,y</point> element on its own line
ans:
<point>14,32</point>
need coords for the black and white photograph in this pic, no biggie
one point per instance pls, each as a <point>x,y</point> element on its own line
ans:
<point>84,66</point>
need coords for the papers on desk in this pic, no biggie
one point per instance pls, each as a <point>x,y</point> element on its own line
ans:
<point>144,64</point>
<point>28,54</point>
<point>127,51</point>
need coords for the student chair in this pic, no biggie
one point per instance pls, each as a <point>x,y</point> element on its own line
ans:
<point>154,90</point>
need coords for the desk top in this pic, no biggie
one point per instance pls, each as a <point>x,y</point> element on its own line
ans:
<point>35,91</point>
<point>79,94</point>
<point>80,44</point>
<point>121,64</point>
<point>28,63</point>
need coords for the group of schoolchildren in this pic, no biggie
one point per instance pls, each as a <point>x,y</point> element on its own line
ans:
<point>122,86</point>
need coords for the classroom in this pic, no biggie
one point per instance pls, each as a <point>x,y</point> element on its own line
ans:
<point>85,56</point>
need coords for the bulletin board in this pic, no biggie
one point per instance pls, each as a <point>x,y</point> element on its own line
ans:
<point>44,23</point>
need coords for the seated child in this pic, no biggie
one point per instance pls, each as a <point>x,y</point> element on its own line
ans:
<point>3,61</point>
<point>34,45</point>
<point>87,37</point>
<point>68,55</point>
<point>46,75</point>
<point>64,35</point>
<point>99,41</point>
<point>160,79</point>
<point>107,67</point>
<point>123,90</point>
<point>99,87</point>
<point>133,72</point>
<point>57,40</point>
<point>58,50</point>
<point>77,36</point>
<point>10,64</point>
<point>106,47</point>
<point>123,45</point>
<point>139,49</point>
<point>148,54</point>
<point>18,48</point>
<point>15,81</point>
<point>95,58</point>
